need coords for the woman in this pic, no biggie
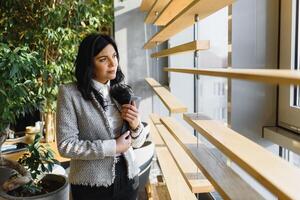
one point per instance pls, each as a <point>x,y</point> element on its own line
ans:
<point>88,126</point>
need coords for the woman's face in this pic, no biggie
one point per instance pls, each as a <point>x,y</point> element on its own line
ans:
<point>105,64</point>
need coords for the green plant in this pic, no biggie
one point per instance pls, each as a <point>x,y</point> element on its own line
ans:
<point>52,31</point>
<point>38,161</point>
<point>19,94</point>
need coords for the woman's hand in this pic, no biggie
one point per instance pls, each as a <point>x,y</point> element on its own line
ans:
<point>130,114</point>
<point>123,142</point>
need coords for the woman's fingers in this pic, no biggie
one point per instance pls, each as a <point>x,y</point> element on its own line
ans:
<point>130,107</point>
<point>123,142</point>
<point>128,118</point>
<point>130,113</point>
<point>132,120</point>
<point>125,134</point>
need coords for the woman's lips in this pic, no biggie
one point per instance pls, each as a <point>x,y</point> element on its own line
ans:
<point>112,71</point>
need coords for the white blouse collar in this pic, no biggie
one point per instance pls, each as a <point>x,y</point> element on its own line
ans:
<point>103,88</point>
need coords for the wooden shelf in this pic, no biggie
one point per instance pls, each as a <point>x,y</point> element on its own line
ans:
<point>177,187</point>
<point>52,145</point>
<point>170,11</point>
<point>277,175</point>
<point>185,19</point>
<point>212,164</point>
<point>155,118</point>
<point>152,82</point>
<point>191,46</point>
<point>191,173</point>
<point>157,191</point>
<point>283,138</point>
<point>146,5</point>
<point>158,142</point>
<point>169,100</point>
<point>262,75</point>
<point>157,7</point>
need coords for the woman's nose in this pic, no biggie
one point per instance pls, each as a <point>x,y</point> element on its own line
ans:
<point>112,62</point>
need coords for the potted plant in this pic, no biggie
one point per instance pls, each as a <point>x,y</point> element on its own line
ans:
<point>29,178</point>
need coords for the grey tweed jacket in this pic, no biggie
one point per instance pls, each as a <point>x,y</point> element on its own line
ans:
<point>84,135</point>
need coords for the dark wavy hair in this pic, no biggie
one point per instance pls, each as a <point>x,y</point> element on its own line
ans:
<point>90,46</point>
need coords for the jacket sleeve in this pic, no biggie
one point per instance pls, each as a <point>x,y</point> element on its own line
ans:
<point>67,131</point>
<point>139,136</point>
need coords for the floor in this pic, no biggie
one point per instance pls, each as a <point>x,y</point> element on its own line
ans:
<point>154,172</point>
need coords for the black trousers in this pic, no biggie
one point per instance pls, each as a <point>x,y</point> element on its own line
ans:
<point>122,188</point>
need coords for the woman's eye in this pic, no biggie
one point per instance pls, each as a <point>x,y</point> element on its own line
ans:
<point>102,60</point>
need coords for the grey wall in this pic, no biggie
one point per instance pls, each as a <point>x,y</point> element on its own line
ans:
<point>254,45</point>
<point>131,34</point>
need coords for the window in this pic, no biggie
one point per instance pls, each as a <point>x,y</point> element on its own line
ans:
<point>289,96</point>
<point>296,100</point>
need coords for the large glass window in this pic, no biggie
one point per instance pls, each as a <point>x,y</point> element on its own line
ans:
<point>296,101</point>
<point>289,96</point>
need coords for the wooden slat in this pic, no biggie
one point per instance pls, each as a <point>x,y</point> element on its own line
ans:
<point>52,145</point>
<point>185,19</point>
<point>23,139</point>
<point>155,118</point>
<point>170,11</point>
<point>277,76</point>
<point>170,101</point>
<point>196,182</point>
<point>228,184</point>
<point>146,5</point>
<point>159,192</point>
<point>175,183</point>
<point>152,82</point>
<point>191,46</point>
<point>157,7</point>
<point>190,172</point>
<point>155,135</point>
<point>224,179</point>
<point>277,175</point>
